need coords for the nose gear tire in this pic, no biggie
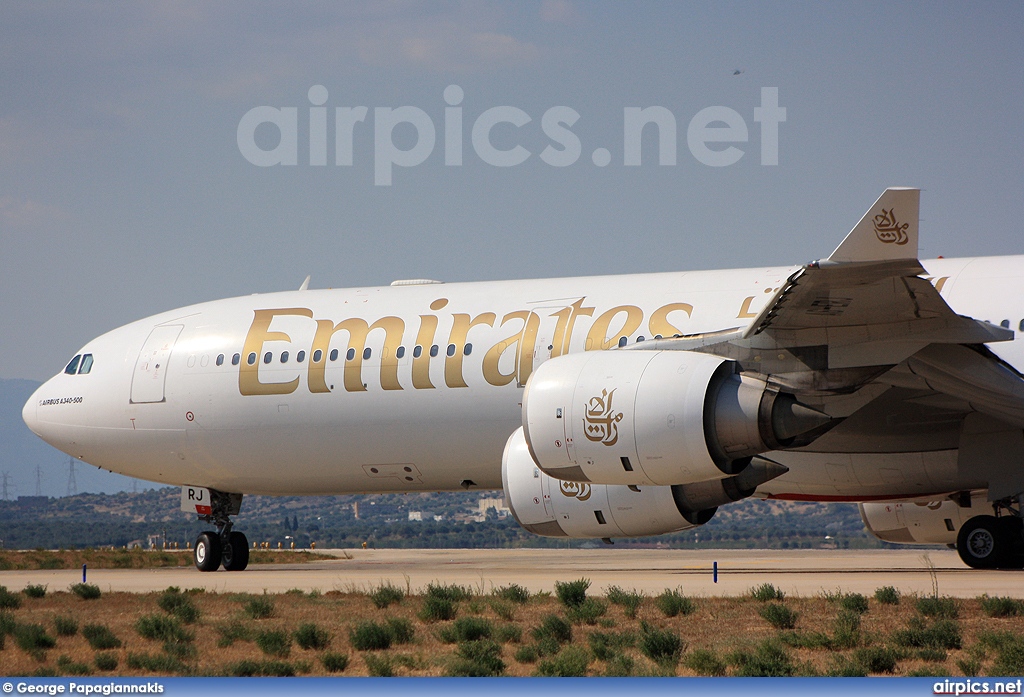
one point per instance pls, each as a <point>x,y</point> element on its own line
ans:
<point>235,553</point>
<point>207,553</point>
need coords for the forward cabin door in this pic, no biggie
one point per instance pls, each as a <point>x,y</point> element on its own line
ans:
<point>151,368</point>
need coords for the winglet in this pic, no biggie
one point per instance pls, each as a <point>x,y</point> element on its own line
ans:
<point>305,284</point>
<point>887,231</point>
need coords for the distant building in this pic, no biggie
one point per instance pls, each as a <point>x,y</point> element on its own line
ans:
<point>485,505</point>
<point>416,515</point>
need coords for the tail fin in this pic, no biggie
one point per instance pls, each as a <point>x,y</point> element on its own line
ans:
<point>887,231</point>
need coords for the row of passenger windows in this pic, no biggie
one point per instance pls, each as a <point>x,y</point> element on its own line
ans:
<point>318,355</point>
<point>79,365</point>
<point>400,353</point>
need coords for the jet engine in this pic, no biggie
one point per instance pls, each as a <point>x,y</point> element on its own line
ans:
<point>924,523</point>
<point>647,418</point>
<point>557,508</point>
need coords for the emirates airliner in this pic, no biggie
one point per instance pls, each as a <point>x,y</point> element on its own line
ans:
<point>613,406</point>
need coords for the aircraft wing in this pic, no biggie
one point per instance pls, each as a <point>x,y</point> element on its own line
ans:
<point>869,303</point>
<point>840,322</point>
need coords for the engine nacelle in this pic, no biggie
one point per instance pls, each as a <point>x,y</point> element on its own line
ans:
<point>654,417</point>
<point>557,508</point>
<point>927,523</point>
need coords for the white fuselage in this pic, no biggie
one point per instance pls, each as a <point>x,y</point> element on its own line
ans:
<point>362,410</point>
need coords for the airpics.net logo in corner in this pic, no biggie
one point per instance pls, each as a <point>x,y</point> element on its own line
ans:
<point>712,135</point>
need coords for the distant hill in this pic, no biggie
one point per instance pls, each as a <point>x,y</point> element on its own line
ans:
<point>21,451</point>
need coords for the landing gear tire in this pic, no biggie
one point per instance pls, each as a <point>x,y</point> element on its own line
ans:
<point>207,554</point>
<point>235,553</point>
<point>980,542</point>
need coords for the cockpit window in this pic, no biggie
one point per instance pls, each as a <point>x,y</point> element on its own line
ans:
<point>86,364</point>
<point>73,366</point>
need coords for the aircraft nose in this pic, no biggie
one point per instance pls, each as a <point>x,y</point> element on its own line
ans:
<point>49,430</point>
<point>28,413</point>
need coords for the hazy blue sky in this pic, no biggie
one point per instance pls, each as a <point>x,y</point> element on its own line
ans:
<point>123,191</point>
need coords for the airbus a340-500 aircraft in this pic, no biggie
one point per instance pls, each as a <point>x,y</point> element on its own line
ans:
<point>605,407</point>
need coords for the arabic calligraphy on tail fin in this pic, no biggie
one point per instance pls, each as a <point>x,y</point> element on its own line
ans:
<point>888,229</point>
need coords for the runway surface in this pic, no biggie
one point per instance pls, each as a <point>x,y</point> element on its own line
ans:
<point>803,573</point>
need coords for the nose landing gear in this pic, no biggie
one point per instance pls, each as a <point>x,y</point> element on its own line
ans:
<point>223,546</point>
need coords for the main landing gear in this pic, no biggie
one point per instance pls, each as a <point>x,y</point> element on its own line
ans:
<point>994,542</point>
<point>222,546</point>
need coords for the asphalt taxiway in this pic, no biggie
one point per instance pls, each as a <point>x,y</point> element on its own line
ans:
<point>802,573</point>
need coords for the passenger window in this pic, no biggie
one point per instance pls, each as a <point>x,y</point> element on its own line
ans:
<point>640,338</point>
<point>284,356</point>
<point>267,357</point>
<point>400,353</point>
<point>367,353</point>
<point>622,341</point>
<point>300,356</point>
<point>451,350</point>
<point>334,354</point>
<point>1005,324</point>
<point>251,360</point>
<point>220,359</point>
<point>318,356</point>
<point>86,364</point>
<point>236,359</point>
<point>73,365</point>
<point>350,355</point>
<point>418,350</point>
<point>467,349</point>
<point>433,351</point>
